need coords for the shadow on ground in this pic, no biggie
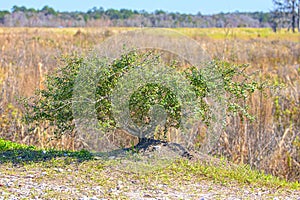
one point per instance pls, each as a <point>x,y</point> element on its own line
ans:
<point>18,156</point>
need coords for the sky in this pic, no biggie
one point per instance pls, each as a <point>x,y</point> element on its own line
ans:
<point>182,6</point>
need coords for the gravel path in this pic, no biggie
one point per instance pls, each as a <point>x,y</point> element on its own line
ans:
<point>32,186</point>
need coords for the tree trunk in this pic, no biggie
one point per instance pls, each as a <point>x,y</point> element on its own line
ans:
<point>298,15</point>
<point>294,15</point>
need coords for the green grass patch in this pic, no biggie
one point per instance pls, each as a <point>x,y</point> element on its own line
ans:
<point>225,173</point>
<point>6,145</point>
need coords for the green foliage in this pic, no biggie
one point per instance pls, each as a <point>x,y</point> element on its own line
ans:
<point>53,105</point>
<point>48,10</point>
<point>2,14</point>
<point>19,8</point>
<point>231,81</point>
<point>154,94</point>
<point>23,9</point>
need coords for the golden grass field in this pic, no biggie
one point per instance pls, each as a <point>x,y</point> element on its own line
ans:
<point>270,143</point>
<point>213,33</point>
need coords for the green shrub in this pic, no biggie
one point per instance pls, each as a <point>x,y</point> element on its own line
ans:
<point>53,104</point>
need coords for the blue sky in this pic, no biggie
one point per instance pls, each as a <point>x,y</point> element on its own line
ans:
<point>183,6</point>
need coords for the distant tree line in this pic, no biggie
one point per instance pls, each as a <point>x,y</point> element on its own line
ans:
<point>20,16</point>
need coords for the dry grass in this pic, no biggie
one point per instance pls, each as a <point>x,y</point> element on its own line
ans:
<point>271,143</point>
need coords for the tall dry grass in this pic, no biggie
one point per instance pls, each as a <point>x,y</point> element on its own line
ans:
<point>27,56</point>
<point>270,143</point>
